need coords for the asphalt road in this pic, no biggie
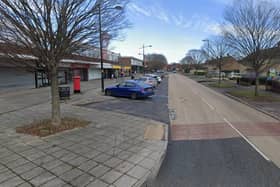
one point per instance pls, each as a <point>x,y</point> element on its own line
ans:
<point>154,108</point>
<point>207,147</point>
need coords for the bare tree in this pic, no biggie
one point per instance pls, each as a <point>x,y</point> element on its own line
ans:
<point>156,61</point>
<point>53,29</point>
<point>187,60</point>
<point>250,28</point>
<point>217,50</point>
<point>198,56</point>
<point>186,63</point>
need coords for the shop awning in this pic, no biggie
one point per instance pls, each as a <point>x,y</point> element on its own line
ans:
<point>117,67</point>
<point>105,66</point>
<point>127,67</point>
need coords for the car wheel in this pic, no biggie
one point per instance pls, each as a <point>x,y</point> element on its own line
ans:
<point>134,96</point>
<point>108,93</point>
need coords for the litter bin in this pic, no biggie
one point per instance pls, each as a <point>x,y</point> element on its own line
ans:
<point>77,84</point>
<point>64,92</point>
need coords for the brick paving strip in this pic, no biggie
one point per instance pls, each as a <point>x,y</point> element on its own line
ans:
<point>222,130</point>
<point>111,151</point>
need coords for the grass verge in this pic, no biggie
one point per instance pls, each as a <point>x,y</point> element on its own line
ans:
<point>222,85</point>
<point>250,95</point>
<point>44,127</point>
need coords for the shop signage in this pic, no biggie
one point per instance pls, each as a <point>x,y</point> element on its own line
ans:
<point>74,66</point>
<point>135,62</point>
<point>117,67</point>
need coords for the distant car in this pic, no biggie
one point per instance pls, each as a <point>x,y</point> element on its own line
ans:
<point>148,80</point>
<point>233,76</point>
<point>161,74</point>
<point>174,71</point>
<point>130,88</point>
<point>158,78</point>
<point>212,74</point>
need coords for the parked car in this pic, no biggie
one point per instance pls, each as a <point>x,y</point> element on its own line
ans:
<point>215,74</point>
<point>130,88</point>
<point>158,78</point>
<point>148,80</point>
<point>233,76</point>
<point>162,74</point>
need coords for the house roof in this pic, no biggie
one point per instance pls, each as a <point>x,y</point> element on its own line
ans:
<point>228,64</point>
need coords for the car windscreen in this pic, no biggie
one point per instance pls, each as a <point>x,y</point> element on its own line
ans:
<point>143,85</point>
<point>142,79</point>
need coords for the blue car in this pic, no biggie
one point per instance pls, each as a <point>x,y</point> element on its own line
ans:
<point>130,88</point>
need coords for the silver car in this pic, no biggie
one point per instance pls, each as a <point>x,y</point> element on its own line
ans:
<point>149,80</point>
<point>158,78</point>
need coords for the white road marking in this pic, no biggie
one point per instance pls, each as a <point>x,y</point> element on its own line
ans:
<point>247,140</point>
<point>231,125</point>
<point>204,100</point>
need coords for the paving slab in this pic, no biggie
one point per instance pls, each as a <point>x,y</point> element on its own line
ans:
<point>99,155</point>
<point>82,180</point>
<point>97,183</point>
<point>125,181</point>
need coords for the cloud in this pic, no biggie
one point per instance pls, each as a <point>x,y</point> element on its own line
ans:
<point>228,2</point>
<point>155,11</point>
<point>140,10</point>
<point>196,22</point>
<point>163,16</point>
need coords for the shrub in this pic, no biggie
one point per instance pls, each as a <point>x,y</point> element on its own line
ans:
<point>200,73</point>
<point>275,86</point>
<point>248,81</point>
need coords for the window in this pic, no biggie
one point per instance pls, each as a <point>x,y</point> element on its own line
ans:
<point>130,85</point>
<point>123,84</point>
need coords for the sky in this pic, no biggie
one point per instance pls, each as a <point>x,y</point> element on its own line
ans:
<point>172,27</point>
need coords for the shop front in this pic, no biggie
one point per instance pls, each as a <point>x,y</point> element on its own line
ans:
<point>117,70</point>
<point>127,70</point>
<point>108,70</point>
<point>81,70</point>
<point>64,73</point>
<point>94,72</point>
<point>136,66</point>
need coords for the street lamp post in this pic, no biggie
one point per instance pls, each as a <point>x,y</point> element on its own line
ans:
<point>118,7</point>
<point>143,48</point>
<point>208,47</point>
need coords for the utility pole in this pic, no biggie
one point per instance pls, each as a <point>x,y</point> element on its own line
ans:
<point>208,48</point>
<point>101,47</point>
<point>143,50</point>
<point>101,40</point>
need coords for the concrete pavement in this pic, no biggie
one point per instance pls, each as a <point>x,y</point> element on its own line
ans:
<point>19,98</point>
<point>116,149</point>
<point>216,141</point>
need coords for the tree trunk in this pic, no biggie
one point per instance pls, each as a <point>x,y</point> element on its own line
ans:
<point>56,118</point>
<point>220,72</point>
<point>257,84</point>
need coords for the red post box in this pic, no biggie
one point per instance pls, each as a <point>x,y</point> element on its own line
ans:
<point>77,84</point>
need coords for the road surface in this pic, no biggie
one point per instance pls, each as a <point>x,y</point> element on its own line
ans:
<point>216,141</point>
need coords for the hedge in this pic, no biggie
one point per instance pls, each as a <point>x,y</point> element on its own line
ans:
<point>248,81</point>
<point>200,73</point>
